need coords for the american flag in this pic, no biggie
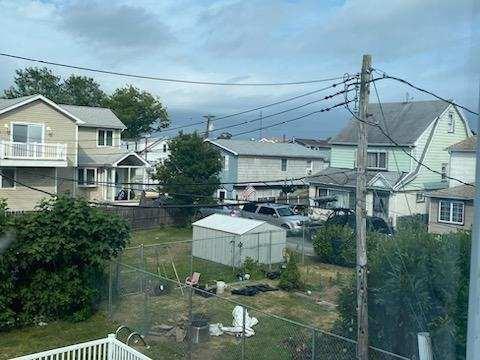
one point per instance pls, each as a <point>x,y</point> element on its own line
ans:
<point>248,192</point>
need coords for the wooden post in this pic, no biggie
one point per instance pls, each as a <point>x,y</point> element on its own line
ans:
<point>362,298</point>
<point>424,346</point>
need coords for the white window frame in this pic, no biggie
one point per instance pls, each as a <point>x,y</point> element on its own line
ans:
<point>84,183</point>
<point>420,198</point>
<point>14,182</point>
<point>444,175</point>
<point>27,123</point>
<point>378,152</point>
<point>219,191</point>
<point>226,159</point>
<point>451,123</point>
<point>105,138</point>
<point>450,221</point>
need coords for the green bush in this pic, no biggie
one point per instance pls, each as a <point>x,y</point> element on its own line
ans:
<point>54,267</point>
<point>335,244</point>
<point>253,268</point>
<point>290,278</point>
<point>417,282</point>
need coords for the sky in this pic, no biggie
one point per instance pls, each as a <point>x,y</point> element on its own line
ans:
<point>432,43</point>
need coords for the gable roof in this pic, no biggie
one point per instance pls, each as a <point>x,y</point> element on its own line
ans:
<point>467,145</point>
<point>461,192</point>
<point>406,121</point>
<point>313,142</point>
<point>95,116</point>
<point>267,149</point>
<point>230,224</point>
<point>98,160</point>
<point>6,103</point>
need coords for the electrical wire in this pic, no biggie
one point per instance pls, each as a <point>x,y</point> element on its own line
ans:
<point>164,79</point>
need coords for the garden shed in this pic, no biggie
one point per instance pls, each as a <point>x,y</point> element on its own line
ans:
<point>229,240</point>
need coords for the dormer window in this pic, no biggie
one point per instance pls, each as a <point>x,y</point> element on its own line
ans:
<point>105,138</point>
<point>451,123</point>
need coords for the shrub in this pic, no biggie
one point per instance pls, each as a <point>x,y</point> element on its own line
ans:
<point>253,268</point>
<point>54,268</point>
<point>335,244</point>
<point>290,278</point>
<point>417,282</point>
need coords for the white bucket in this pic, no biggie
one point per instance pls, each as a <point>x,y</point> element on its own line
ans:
<point>221,287</point>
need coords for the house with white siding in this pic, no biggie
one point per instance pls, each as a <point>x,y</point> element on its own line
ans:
<point>49,148</point>
<point>247,161</point>
<point>452,209</point>
<point>396,182</point>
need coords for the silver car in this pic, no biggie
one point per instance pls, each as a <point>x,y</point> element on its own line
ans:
<point>276,214</point>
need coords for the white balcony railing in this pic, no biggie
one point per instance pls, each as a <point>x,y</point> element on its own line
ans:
<point>103,349</point>
<point>32,151</point>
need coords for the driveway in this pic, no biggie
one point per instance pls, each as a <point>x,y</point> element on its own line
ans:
<point>295,243</point>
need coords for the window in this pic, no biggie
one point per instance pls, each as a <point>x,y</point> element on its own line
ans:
<point>451,212</point>
<point>266,211</point>
<point>377,160</point>
<point>420,198</point>
<point>164,148</point>
<point>451,122</point>
<point>309,165</point>
<point>8,180</point>
<point>105,138</point>
<point>284,164</point>
<point>444,171</point>
<point>87,177</point>
<point>225,162</point>
<point>31,133</point>
<point>222,194</point>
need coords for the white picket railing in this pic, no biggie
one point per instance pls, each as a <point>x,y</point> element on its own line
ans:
<point>102,349</point>
<point>41,151</point>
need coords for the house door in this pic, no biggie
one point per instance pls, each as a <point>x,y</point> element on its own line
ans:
<point>380,204</point>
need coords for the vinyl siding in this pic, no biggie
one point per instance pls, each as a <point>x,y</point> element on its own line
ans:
<point>462,167</point>
<point>87,141</point>
<point>270,168</point>
<point>437,227</point>
<point>63,129</point>
<point>344,156</point>
<point>404,204</point>
<point>436,153</point>
<point>64,183</point>
<point>23,198</point>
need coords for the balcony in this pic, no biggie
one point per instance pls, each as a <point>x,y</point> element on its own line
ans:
<point>33,154</point>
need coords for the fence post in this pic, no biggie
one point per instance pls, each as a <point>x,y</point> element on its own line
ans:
<point>270,251</point>
<point>314,345</point>
<point>424,346</point>
<point>258,248</point>
<point>233,255</point>
<point>244,310</point>
<point>110,290</point>
<point>303,244</point>
<point>110,338</point>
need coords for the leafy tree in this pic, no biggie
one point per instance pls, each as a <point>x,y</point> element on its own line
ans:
<point>417,282</point>
<point>82,90</point>
<point>140,111</point>
<point>33,80</point>
<point>191,174</point>
<point>54,268</point>
<point>290,278</point>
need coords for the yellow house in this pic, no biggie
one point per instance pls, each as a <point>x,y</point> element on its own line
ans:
<point>48,148</point>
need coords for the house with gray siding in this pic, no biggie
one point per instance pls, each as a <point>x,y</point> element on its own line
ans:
<point>396,182</point>
<point>247,161</point>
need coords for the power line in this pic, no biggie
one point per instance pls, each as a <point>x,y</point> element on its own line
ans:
<point>164,79</point>
<point>403,81</point>
<point>294,119</point>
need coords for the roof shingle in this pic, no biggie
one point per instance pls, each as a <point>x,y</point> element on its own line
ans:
<point>462,192</point>
<point>468,145</point>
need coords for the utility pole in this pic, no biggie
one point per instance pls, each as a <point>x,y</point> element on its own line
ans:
<point>473,330</point>
<point>209,125</point>
<point>361,212</point>
<point>261,124</point>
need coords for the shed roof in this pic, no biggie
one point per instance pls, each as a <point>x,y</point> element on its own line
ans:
<point>255,148</point>
<point>467,145</point>
<point>230,224</point>
<point>405,121</point>
<point>462,192</point>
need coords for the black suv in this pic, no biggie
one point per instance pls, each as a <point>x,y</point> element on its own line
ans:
<point>346,217</point>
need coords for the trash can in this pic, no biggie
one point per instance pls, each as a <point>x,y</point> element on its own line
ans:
<point>199,331</point>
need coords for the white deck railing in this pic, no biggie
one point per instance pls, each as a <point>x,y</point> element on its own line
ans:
<point>32,151</point>
<point>102,349</point>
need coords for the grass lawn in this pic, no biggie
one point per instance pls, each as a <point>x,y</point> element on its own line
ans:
<point>141,312</point>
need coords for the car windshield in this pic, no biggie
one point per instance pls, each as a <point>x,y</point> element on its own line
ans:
<point>285,211</point>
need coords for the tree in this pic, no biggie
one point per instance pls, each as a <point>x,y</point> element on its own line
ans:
<point>55,267</point>
<point>82,90</point>
<point>140,111</point>
<point>418,282</point>
<point>191,174</point>
<point>33,80</point>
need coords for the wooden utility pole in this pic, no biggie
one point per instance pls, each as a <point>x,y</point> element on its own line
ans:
<point>361,212</point>
<point>209,125</point>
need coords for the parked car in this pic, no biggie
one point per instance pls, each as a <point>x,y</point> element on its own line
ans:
<point>231,210</point>
<point>277,214</point>
<point>346,217</point>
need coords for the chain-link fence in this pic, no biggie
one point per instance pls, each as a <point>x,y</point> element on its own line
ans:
<point>181,321</point>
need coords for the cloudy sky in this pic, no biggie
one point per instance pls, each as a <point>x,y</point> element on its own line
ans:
<point>433,43</point>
